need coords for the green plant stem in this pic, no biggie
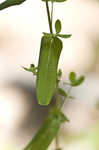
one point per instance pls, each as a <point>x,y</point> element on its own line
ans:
<point>52,15</point>
<point>49,19</point>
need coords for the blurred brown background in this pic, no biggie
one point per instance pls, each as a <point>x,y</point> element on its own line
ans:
<point>21,29</point>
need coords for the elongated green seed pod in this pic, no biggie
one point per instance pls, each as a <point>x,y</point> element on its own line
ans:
<point>9,3</point>
<point>47,68</point>
<point>47,132</point>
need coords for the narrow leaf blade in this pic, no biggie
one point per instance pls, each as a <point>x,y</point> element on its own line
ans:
<point>58,26</point>
<point>79,81</point>
<point>9,3</point>
<point>65,36</point>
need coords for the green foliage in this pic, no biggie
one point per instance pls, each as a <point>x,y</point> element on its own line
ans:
<point>48,78</point>
<point>74,80</point>
<point>58,26</point>
<point>47,68</point>
<point>62,92</point>
<point>9,3</point>
<point>59,73</point>
<point>65,36</point>
<point>48,131</point>
<point>32,69</point>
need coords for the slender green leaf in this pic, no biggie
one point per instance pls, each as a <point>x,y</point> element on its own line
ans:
<point>58,26</point>
<point>49,34</point>
<point>65,36</point>
<point>48,131</point>
<point>9,3</point>
<point>47,68</point>
<point>62,92</point>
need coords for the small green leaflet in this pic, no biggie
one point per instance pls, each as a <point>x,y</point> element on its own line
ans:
<point>55,0</point>
<point>58,26</point>
<point>48,131</point>
<point>47,68</point>
<point>32,69</point>
<point>9,3</point>
<point>65,36</point>
<point>74,80</point>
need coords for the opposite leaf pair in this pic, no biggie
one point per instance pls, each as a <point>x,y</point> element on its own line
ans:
<point>58,27</point>
<point>74,80</point>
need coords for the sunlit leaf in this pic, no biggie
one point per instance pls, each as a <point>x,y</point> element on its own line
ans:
<point>65,36</point>
<point>59,73</point>
<point>72,77</point>
<point>79,81</point>
<point>32,69</point>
